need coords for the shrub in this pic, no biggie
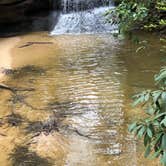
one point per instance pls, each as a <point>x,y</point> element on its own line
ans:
<point>139,14</point>
<point>153,127</point>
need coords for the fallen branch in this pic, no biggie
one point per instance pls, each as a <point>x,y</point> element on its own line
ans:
<point>5,87</point>
<point>32,43</point>
<point>12,89</point>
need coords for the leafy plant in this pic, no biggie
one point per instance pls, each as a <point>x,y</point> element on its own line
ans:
<point>148,15</point>
<point>153,127</point>
<point>139,14</point>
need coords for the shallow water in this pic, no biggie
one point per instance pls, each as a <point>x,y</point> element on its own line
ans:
<point>80,108</point>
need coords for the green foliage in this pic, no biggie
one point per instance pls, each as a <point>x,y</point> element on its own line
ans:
<point>139,14</point>
<point>153,127</point>
<point>148,15</point>
<point>163,49</point>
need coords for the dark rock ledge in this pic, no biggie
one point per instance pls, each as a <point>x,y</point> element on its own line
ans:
<point>15,10</point>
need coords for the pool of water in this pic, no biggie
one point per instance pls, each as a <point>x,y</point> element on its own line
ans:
<point>79,107</point>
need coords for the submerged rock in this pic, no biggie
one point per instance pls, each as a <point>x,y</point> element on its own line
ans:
<point>23,71</point>
<point>14,119</point>
<point>22,156</point>
<point>46,127</point>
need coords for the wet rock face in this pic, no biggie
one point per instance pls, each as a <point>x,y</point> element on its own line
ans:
<point>15,10</point>
<point>12,11</point>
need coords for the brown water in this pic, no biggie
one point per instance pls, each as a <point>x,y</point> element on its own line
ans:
<point>80,109</point>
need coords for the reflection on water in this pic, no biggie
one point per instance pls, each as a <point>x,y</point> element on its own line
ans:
<point>80,108</point>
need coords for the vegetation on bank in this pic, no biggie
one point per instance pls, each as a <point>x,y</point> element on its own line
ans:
<point>153,128</point>
<point>147,15</point>
<point>139,14</point>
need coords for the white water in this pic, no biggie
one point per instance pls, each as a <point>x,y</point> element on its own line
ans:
<point>77,20</point>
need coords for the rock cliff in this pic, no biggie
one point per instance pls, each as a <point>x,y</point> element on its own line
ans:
<point>15,10</point>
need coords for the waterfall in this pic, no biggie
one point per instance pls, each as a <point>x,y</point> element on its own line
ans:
<point>83,16</point>
<point>80,5</point>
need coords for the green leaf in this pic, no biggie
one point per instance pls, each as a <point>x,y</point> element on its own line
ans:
<point>132,127</point>
<point>147,151</point>
<point>163,121</point>
<point>137,129</point>
<point>156,154</point>
<point>150,111</point>
<point>163,158</point>
<point>146,140</point>
<point>156,123</point>
<point>163,142</point>
<point>161,76</point>
<point>149,132</point>
<point>163,96</point>
<point>159,115</point>
<point>156,95</point>
<point>137,101</point>
<point>147,97</point>
<point>141,131</point>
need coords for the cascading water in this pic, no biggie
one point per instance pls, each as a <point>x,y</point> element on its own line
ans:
<point>83,16</point>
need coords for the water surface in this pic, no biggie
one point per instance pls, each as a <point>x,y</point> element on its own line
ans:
<point>80,109</point>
